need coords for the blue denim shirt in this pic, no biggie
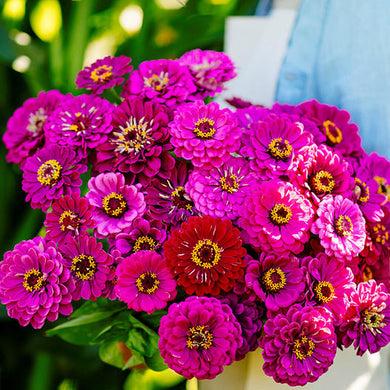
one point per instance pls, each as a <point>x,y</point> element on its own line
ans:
<point>339,54</point>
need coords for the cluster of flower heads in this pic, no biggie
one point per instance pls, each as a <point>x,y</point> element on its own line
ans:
<point>272,223</point>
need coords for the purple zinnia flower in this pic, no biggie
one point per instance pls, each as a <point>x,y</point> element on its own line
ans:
<point>330,285</point>
<point>198,337</point>
<point>299,346</point>
<point>277,280</point>
<point>340,226</point>
<point>70,217</point>
<point>275,216</point>
<point>367,324</point>
<point>51,173</point>
<point>138,142</point>
<point>109,290</point>
<point>144,282</point>
<point>209,70</point>
<point>163,81</point>
<point>25,129</point>
<point>167,200</point>
<point>104,73</point>
<point>220,192</point>
<point>341,135</point>
<point>89,265</point>
<point>273,144</point>
<point>116,204</point>
<point>80,122</point>
<point>205,134</point>
<point>249,315</point>
<point>34,283</point>
<point>143,235</point>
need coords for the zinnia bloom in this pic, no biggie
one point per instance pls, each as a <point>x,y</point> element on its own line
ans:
<point>70,217</point>
<point>198,337</point>
<point>116,204</point>
<point>209,70</point>
<point>340,226</point>
<point>163,81</point>
<point>205,255</point>
<point>299,346</point>
<point>204,134</point>
<point>220,192</point>
<point>278,281</point>
<point>34,283</point>
<point>275,216</point>
<point>367,323</point>
<point>89,265</point>
<point>51,173</point>
<point>144,282</point>
<point>25,129</point>
<point>104,73</point>
<point>80,122</point>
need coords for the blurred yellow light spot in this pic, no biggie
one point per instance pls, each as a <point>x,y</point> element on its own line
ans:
<point>219,2</point>
<point>14,9</point>
<point>165,36</point>
<point>192,384</point>
<point>22,39</point>
<point>99,48</point>
<point>21,64</point>
<point>171,4</point>
<point>46,19</point>
<point>131,19</point>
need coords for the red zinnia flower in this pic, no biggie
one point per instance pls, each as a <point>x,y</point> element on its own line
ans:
<point>206,255</point>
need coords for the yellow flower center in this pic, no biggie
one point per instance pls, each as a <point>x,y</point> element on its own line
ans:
<point>101,74</point>
<point>379,234</point>
<point>157,82</point>
<point>362,191</point>
<point>343,226</point>
<point>384,188</point>
<point>280,214</point>
<point>69,221</point>
<point>322,182</point>
<point>206,253</point>
<point>324,291</point>
<point>114,205</point>
<point>229,184</point>
<point>303,347</point>
<point>144,243</point>
<point>84,267</point>
<point>49,173</point>
<point>274,280</point>
<point>199,337</point>
<point>333,133</point>
<point>372,318</point>
<point>33,280</point>
<point>204,128</point>
<point>180,199</point>
<point>147,283</point>
<point>279,149</point>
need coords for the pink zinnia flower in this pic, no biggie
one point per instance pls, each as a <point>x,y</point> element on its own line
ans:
<point>25,129</point>
<point>116,204</point>
<point>34,283</point>
<point>163,81</point>
<point>299,346</point>
<point>340,226</point>
<point>198,337</point>
<point>209,70</point>
<point>275,216</point>
<point>204,134</point>
<point>104,73</point>
<point>220,192</point>
<point>144,282</point>
<point>89,265</point>
<point>51,173</point>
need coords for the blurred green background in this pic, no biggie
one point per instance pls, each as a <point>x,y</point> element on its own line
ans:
<point>43,44</point>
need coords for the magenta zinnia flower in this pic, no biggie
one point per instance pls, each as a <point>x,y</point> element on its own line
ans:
<point>25,129</point>
<point>275,216</point>
<point>198,337</point>
<point>34,283</point>
<point>89,265</point>
<point>116,204</point>
<point>278,281</point>
<point>204,134</point>
<point>138,142</point>
<point>299,346</point>
<point>340,226</point>
<point>70,217</point>
<point>80,122</point>
<point>205,255</point>
<point>367,323</point>
<point>163,81</point>
<point>220,192</point>
<point>104,73</point>
<point>144,282</point>
<point>209,70</point>
<point>51,173</point>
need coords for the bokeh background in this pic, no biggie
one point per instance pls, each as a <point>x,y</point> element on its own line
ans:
<point>43,44</point>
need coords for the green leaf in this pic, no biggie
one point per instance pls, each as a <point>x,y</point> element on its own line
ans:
<point>135,360</point>
<point>110,354</point>
<point>156,362</point>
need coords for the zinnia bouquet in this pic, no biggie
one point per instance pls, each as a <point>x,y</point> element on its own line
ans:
<point>192,234</point>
